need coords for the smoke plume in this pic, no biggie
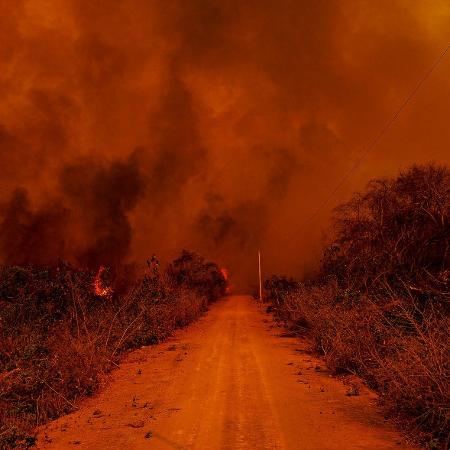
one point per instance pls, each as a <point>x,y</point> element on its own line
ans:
<point>132,128</point>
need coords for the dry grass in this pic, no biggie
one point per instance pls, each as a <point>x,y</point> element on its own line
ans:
<point>400,351</point>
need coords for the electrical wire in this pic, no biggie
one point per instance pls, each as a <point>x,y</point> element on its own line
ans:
<point>379,136</point>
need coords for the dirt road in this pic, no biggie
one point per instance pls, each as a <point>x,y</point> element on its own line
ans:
<point>229,381</point>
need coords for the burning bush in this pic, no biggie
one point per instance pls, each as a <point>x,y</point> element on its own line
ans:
<point>379,306</point>
<point>62,328</point>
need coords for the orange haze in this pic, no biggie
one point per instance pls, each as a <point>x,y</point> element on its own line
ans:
<point>140,127</point>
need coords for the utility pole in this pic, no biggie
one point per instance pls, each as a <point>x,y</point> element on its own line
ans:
<point>260,280</point>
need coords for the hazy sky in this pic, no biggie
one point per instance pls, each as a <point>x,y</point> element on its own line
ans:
<point>140,127</point>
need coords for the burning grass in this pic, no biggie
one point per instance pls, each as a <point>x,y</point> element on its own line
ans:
<point>62,329</point>
<point>379,307</point>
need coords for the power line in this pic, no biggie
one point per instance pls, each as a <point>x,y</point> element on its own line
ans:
<point>379,136</point>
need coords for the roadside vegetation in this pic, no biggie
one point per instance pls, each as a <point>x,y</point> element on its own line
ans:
<point>62,329</point>
<point>379,305</point>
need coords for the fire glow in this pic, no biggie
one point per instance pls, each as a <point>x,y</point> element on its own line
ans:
<point>99,288</point>
<point>224,273</point>
<point>226,277</point>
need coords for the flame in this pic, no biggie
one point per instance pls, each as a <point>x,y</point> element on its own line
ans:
<point>226,277</point>
<point>224,273</point>
<point>99,288</point>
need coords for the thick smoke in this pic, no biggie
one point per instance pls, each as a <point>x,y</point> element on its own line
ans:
<point>128,128</point>
<point>102,197</point>
<point>86,224</point>
<point>32,236</point>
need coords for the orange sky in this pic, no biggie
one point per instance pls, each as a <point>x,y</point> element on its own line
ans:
<point>138,127</point>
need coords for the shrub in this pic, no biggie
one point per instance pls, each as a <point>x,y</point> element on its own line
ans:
<point>395,237</point>
<point>278,287</point>
<point>59,338</point>
<point>193,272</point>
<point>379,306</point>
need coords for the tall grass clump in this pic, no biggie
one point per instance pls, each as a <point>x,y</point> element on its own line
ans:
<point>58,338</point>
<point>379,305</point>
